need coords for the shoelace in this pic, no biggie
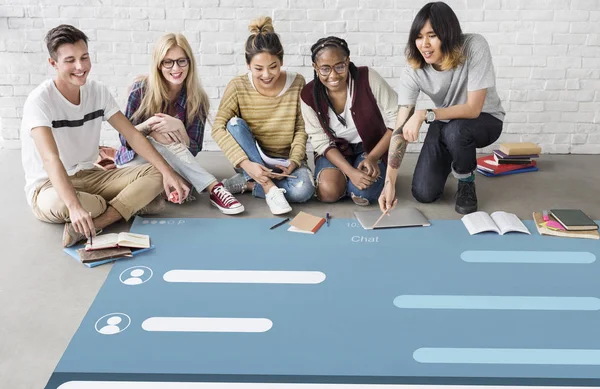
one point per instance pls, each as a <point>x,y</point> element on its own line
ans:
<point>238,187</point>
<point>224,195</point>
<point>468,191</point>
<point>279,198</point>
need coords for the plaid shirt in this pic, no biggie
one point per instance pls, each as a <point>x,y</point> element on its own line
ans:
<point>195,129</point>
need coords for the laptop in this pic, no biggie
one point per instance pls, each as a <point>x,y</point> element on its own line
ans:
<point>399,217</point>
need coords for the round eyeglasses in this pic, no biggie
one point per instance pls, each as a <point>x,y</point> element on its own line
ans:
<point>169,63</point>
<point>340,68</point>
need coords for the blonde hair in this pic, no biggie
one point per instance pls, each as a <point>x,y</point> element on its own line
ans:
<point>263,39</point>
<point>156,95</point>
<point>264,24</point>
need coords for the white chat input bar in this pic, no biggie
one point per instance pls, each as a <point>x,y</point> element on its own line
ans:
<point>206,324</point>
<point>245,276</point>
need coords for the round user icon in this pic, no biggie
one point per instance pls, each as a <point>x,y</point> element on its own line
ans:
<point>136,275</point>
<point>113,323</point>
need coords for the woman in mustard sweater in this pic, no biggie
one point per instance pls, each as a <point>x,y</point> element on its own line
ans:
<point>259,125</point>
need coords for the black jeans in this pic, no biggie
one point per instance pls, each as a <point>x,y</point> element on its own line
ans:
<point>451,146</point>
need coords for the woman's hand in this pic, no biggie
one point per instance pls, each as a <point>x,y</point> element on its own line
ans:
<point>413,125</point>
<point>285,170</point>
<point>170,127</point>
<point>361,179</point>
<point>258,172</point>
<point>165,123</point>
<point>370,167</point>
<point>161,138</point>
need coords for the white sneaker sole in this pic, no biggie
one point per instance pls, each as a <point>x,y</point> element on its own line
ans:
<point>281,211</point>
<point>229,211</point>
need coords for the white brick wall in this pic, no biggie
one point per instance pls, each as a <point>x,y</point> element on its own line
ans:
<point>546,52</point>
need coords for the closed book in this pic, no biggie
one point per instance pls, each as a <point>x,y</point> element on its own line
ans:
<point>573,219</point>
<point>74,252</point>
<point>306,223</point>
<point>87,256</point>
<point>543,230</point>
<point>520,148</point>
<point>504,161</point>
<point>500,154</point>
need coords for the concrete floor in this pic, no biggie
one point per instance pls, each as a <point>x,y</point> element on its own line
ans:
<point>44,294</point>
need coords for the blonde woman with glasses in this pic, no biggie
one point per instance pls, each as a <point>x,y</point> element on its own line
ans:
<point>170,107</point>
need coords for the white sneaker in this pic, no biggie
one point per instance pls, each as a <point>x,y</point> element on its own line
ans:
<point>277,202</point>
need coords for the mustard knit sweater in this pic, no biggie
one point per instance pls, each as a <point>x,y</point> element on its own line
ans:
<point>275,122</point>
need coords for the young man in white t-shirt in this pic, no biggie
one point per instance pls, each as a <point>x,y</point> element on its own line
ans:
<point>60,135</point>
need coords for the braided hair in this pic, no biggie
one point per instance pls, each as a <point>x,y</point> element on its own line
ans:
<point>320,90</point>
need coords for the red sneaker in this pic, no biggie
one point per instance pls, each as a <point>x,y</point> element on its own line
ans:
<point>222,199</point>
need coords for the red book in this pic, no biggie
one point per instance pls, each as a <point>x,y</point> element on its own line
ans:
<point>489,164</point>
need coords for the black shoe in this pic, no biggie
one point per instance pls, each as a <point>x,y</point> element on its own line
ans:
<point>466,198</point>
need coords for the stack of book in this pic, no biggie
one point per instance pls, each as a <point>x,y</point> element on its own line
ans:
<point>510,158</point>
<point>566,223</point>
<point>109,248</point>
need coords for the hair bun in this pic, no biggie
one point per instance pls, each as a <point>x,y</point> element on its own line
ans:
<point>261,25</point>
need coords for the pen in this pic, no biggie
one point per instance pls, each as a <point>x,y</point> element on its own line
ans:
<point>280,223</point>
<point>327,217</point>
<point>91,241</point>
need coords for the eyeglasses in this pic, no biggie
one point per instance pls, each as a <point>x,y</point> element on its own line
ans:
<point>169,63</point>
<point>340,68</point>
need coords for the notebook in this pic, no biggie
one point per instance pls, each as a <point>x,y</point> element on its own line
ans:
<point>306,223</point>
<point>573,219</point>
<point>399,217</point>
<point>272,162</point>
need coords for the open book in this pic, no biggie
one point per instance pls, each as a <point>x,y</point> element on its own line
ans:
<point>500,222</point>
<point>122,239</point>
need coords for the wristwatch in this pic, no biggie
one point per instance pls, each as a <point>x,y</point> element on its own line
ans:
<point>429,116</point>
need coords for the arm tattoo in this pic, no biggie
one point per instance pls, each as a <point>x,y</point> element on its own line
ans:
<point>398,144</point>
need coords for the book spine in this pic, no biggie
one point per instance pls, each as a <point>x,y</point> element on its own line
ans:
<point>316,228</point>
<point>520,150</point>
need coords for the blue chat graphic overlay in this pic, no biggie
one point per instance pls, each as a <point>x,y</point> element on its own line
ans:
<point>231,301</point>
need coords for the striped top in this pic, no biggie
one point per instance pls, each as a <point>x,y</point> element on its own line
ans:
<point>276,122</point>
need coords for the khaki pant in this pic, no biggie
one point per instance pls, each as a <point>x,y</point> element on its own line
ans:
<point>127,190</point>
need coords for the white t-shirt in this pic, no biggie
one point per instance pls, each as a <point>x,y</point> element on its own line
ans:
<point>348,132</point>
<point>76,128</point>
<point>450,87</point>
